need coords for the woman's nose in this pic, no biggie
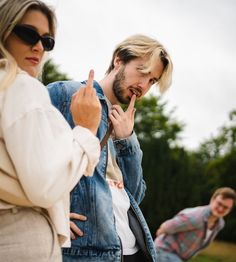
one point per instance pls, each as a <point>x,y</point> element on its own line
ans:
<point>38,46</point>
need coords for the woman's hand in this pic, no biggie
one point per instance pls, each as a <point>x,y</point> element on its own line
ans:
<point>85,106</point>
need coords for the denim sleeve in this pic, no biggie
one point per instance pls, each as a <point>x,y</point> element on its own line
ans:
<point>129,158</point>
<point>60,94</point>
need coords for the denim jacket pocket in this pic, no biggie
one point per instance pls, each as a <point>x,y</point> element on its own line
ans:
<point>81,204</point>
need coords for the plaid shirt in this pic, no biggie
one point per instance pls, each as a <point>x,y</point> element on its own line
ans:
<point>186,232</point>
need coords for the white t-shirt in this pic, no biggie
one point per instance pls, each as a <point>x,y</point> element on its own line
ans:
<point>121,205</point>
<point>208,235</point>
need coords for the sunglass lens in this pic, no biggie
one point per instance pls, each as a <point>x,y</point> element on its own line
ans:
<point>28,35</point>
<point>48,43</point>
<point>31,37</point>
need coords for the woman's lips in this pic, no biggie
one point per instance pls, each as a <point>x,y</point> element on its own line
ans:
<point>33,60</point>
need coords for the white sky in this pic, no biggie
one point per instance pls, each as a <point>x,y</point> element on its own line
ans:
<point>199,35</point>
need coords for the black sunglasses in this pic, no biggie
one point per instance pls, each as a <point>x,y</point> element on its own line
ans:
<point>31,37</point>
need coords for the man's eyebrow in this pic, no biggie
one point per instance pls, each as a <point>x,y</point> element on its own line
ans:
<point>140,67</point>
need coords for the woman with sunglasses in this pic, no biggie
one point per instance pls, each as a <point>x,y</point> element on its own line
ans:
<point>48,157</point>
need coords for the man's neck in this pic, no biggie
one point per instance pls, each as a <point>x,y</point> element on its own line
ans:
<point>211,222</point>
<point>106,85</point>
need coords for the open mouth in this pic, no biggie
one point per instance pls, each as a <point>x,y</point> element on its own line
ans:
<point>136,92</point>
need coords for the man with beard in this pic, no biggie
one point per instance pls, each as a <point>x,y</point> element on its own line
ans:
<point>106,221</point>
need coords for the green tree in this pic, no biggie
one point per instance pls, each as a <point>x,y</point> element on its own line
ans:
<point>218,155</point>
<point>223,143</point>
<point>172,174</point>
<point>51,73</point>
<point>153,122</point>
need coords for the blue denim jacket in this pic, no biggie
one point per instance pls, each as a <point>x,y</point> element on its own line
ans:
<point>92,197</point>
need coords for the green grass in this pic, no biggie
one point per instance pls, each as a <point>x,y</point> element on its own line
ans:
<point>217,252</point>
<point>207,258</point>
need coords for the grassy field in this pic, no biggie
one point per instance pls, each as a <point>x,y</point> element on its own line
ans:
<point>217,252</point>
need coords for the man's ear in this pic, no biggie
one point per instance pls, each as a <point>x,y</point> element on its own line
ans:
<point>117,63</point>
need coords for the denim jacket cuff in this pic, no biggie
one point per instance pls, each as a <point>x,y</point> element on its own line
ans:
<point>127,145</point>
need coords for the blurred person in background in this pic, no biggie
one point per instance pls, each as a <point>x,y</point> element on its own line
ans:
<point>193,229</point>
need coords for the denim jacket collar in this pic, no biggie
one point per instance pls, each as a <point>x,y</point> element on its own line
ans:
<point>98,88</point>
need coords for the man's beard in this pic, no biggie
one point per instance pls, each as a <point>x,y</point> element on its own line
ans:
<point>117,87</point>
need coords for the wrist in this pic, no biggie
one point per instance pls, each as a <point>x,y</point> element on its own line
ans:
<point>125,136</point>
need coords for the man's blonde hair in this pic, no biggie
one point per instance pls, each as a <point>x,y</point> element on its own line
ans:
<point>141,46</point>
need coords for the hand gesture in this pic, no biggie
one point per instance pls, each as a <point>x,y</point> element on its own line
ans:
<point>73,227</point>
<point>160,230</point>
<point>85,106</point>
<point>123,122</point>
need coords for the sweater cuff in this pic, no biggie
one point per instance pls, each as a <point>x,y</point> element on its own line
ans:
<point>91,146</point>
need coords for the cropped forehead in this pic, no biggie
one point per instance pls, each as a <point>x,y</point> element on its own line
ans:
<point>33,16</point>
<point>37,20</point>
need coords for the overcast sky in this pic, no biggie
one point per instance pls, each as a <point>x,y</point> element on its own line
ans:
<point>199,35</point>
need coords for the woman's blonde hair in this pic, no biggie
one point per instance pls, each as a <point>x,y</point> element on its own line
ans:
<point>11,12</point>
<point>141,46</point>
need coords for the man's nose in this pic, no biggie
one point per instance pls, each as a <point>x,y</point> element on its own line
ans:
<point>145,83</point>
<point>221,208</point>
